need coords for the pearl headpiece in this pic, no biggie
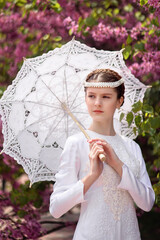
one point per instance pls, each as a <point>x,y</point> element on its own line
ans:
<point>104,84</point>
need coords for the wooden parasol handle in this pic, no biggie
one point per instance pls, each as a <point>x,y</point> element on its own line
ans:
<point>101,155</point>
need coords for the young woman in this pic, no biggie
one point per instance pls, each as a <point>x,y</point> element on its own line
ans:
<point>109,190</point>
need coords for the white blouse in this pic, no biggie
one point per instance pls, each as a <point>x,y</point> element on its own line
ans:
<point>107,208</point>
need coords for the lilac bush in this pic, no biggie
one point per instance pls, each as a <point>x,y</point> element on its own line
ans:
<point>30,28</point>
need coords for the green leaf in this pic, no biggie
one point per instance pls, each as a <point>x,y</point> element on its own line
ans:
<point>85,33</point>
<point>80,23</point>
<point>20,3</point>
<point>129,118</point>
<point>127,52</point>
<point>109,12</point>
<point>137,107</point>
<point>157,32</point>
<point>2,89</point>
<point>143,2</point>
<point>151,31</point>
<point>121,116</point>
<point>57,38</point>
<point>46,37</point>
<point>38,203</point>
<point>140,17</point>
<point>157,162</point>
<point>156,188</point>
<point>2,4</point>
<point>128,8</point>
<point>155,22</point>
<point>70,32</point>
<point>28,6</point>
<point>21,213</point>
<point>152,132</point>
<point>146,126</point>
<point>155,122</point>
<point>99,11</point>
<point>147,108</point>
<point>90,21</point>
<point>140,46</point>
<point>94,4</point>
<point>107,4</point>
<point>129,39</point>
<point>157,200</point>
<point>123,45</point>
<point>152,9</point>
<point>56,6</point>
<point>138,120</point>
<point>135,130</point>
<point>116,11</point>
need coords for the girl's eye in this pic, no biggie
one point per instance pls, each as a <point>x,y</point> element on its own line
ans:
<point>91,96</point>
<point>106,97</point>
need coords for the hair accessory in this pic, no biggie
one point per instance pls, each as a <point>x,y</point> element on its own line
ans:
<point>104,84</point>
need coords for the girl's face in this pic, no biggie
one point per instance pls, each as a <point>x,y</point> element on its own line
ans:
<point>102,103</point>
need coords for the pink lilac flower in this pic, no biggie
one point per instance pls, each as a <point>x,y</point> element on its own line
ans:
<point>137,30</point>
<point>154,3</point>
<point>103,32</point>
<point>71,25</point>
<point>10,23</point>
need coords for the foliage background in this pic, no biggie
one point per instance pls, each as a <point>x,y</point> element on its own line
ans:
<point>30,28</point>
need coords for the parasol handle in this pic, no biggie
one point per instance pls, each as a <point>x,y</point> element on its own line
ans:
<point>101,155</point>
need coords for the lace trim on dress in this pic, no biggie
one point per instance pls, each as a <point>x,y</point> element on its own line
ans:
<point>118,199</point>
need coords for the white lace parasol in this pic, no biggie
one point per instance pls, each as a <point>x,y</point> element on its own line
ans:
<point>35,125</point>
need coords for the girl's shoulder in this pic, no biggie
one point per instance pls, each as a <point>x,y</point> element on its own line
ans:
<point>130,143</point>
<point>127,139</point>
<point>77,138</point>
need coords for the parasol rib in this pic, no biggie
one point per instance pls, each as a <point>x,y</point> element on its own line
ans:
<point>38,103</point>
<point>30,125</point>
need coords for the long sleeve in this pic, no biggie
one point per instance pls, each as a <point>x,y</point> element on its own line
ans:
<point>139,188</point>
<point>68,190</point>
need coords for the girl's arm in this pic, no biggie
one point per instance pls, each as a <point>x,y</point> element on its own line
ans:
<point>139,188</point>
<point>68,190</point>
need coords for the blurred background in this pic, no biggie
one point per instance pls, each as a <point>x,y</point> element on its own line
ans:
<point>31,28</point>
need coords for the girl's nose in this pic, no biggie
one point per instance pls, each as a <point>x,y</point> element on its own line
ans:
<point>97,102</point>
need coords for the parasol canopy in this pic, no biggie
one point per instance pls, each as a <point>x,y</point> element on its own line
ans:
<point>35,123</point>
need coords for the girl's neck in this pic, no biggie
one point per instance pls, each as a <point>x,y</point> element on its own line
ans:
<point>104,129</point>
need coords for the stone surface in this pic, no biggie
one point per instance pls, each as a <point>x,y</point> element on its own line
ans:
<point>66,233</point>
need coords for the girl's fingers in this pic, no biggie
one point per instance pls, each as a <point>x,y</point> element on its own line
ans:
<point>107,149</point>
<point>96,150</point>
<point>101,142</point>
<point>95,146</point>
<point>97,140</point>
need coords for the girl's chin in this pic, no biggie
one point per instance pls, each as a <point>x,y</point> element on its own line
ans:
<point>100,118</point>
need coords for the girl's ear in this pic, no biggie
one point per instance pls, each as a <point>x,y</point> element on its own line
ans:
<point>120,101</point>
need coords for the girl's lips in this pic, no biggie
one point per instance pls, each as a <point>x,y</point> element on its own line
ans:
<point>98,111</point>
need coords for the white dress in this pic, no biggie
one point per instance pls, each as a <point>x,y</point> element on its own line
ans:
<point>107,208</point>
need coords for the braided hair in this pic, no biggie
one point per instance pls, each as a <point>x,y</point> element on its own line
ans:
<point>107,75</point>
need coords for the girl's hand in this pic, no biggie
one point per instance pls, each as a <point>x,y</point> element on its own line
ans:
<point>111,157</point>
<point>98,146</point>
<point>96,166</point>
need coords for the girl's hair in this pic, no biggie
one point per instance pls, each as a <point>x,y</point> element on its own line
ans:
<point>107,75</point>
